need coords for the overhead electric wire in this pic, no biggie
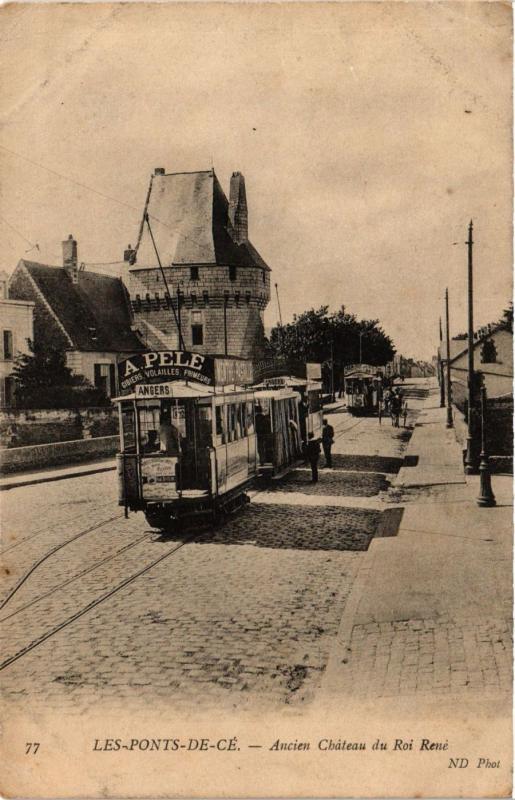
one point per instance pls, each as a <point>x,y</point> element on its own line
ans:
<point>27,241</point>
<point>91,189</point>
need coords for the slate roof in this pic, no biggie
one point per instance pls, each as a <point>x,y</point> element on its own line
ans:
<point>94,312</point>
<point>189,217</point>
<point>459,346</point>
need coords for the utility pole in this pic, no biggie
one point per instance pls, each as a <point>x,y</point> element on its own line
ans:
<point>226,300</point>
<point>440,369</point>
<point>470,460</point>
<point>179,314</point>
<point>450,422</point>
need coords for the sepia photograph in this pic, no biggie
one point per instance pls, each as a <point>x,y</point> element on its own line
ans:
<point>256,399</point>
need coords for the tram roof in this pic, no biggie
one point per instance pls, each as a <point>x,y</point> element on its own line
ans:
<point>362,374</point>
<point>279,392</point>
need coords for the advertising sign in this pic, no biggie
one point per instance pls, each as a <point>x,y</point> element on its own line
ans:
<point>158,478</point>
<point>160,366</point>
<point>277,367</point>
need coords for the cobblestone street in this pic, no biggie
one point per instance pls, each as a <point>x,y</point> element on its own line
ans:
<point>249,613</point>
<point>241,613</point>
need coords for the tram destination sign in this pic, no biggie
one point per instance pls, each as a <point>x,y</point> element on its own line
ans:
<point>162,366</point>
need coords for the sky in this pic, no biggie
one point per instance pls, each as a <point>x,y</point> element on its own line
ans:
<point>369,134</point>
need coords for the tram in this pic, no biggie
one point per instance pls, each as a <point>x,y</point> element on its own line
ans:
<point>194,433</point>
<point>363,387</point>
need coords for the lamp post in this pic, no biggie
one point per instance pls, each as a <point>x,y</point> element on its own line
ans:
<point>450,422</point>
<point>486,496</point>
<point>470,456</point>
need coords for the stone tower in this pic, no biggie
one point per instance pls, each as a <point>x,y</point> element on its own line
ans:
<point>213,282</point>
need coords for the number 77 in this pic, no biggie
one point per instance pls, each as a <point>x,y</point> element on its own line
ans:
<point>31,747</point>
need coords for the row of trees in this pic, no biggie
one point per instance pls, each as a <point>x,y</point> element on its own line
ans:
<point>335,340</point>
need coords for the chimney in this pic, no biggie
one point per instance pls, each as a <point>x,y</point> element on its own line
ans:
<point>238,214</point>
<point>70,258</point>
<point>159,171</point>
<point>129,255</point>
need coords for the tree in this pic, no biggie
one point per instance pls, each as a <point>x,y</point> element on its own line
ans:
<point>507,317</point>
<point>317,336</point>
<point>42,380</point>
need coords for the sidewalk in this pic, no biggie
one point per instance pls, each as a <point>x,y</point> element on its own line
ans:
<point>55,474</point>
<point>431,608</point>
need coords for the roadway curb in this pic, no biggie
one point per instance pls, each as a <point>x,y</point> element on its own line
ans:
<point>49,478</point>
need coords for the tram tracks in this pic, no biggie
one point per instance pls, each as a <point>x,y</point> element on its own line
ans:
<point>43,637</point>
<point>75,577</point>
<point>52,552</point>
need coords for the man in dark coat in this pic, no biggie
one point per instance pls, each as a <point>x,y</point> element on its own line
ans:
<point>327,442</point>
<point>313,454</point>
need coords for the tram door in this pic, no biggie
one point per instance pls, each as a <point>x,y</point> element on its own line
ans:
<point>192,419</point>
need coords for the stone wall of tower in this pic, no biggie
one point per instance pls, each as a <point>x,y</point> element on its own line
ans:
<point>213,300</point>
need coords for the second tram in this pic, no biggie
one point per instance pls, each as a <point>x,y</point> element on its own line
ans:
<point>363,389</point>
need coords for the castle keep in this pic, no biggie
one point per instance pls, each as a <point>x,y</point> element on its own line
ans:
<point>218,284</point>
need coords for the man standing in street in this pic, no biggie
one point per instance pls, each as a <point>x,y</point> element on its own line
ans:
<point>313,453</point>
<point>327,442</point>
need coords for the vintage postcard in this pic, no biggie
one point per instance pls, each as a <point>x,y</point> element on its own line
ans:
<point>256,399</point>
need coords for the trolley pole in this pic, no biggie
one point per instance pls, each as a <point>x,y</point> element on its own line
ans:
<point>450,422</point>
<point>486,496</point>
<point>332,368</point>
<point>470,460</point>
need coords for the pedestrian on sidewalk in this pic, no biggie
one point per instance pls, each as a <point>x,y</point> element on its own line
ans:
<point>404,412</point>
<point>313,454</point>
<point>327,441</point>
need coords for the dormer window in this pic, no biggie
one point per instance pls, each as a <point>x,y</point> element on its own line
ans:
<point>488,352</point>
<point>93,333</point>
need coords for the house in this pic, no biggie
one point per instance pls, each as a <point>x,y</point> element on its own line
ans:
<point>493,358</point>
<point>17,329</point>
<point>194,268</point>
<point>84,313</point>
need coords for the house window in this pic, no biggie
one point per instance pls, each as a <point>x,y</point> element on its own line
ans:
<point>194,274</point>
<point>488,352</point>
<point>105,379</point>
<point>7,392</point>
<point>232,273</point>
<point>197,334</point>
<point>8,345</point>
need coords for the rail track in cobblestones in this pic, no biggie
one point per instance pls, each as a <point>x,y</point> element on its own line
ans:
<point>75,577</point>
<point>92,604</point>
<point>52,552</point>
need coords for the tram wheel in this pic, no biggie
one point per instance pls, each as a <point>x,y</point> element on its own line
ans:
<point>161,521</point>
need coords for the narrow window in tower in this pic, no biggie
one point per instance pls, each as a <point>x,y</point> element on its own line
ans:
<point>197,335</point>
<point>197,332</point>
<point>194,274</point>
<point>263,274</point>
<point>232,273</point>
